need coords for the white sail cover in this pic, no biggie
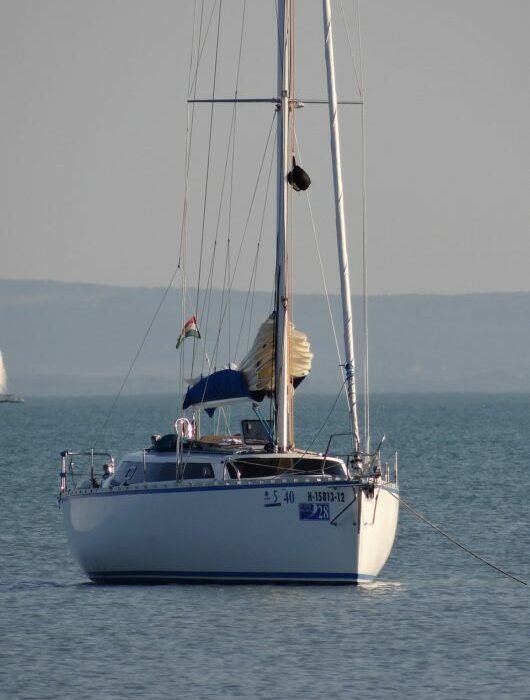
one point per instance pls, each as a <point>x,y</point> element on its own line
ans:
<point>258,364</point>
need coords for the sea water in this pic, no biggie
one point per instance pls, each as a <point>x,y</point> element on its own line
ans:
<point>437,623</point>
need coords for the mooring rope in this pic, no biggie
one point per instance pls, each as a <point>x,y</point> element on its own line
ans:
<point>452,539</point>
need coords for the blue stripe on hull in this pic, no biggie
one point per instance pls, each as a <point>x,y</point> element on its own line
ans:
<point>226,577</point>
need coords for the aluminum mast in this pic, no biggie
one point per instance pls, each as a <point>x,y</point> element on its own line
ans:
<point>283,393</point>
<point>347,316</point>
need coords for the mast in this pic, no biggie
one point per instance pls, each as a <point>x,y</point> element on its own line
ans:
<point>283,388</point>
<point>347,316</point>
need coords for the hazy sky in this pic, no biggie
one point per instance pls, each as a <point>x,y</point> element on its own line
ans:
<point>92,137</point>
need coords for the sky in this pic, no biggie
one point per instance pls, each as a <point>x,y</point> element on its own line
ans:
<point>93,134</point>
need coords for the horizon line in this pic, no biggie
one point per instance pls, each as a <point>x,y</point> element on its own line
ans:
<point>84,283</point>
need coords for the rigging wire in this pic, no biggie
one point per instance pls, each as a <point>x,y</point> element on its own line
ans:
<point>137,354</point>
<point>279,39</point>
<point>322,272</point>
<point>253,275</point>
<point>206,306</point>
<point>245,229</point>
<point>451,538</point>
<point>358,75</point>
<point>182,247</point>
<point>224,309</point>
<point>212,106</point>
<point>189,141</point>
<point>317,434</point>
<point>185,293</point>
<point>231,150</point>
<point>236,92</point>
<point>200,47</point>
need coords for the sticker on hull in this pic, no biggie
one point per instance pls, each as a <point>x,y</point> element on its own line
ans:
<point>314,511</point>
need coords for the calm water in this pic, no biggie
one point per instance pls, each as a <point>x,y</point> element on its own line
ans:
<point>437,624</point>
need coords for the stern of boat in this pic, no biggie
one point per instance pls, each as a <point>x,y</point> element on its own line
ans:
<point>377,519</point>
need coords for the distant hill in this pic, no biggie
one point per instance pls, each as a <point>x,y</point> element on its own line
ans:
<point>66,339</point>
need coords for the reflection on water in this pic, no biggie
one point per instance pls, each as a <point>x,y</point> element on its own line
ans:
<point>382,587</point>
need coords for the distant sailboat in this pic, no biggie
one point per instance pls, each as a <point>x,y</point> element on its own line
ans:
<point>5,397</point>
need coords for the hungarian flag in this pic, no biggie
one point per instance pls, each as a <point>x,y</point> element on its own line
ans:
<point>190,330</point>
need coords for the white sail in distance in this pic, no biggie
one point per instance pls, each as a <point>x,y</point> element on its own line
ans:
<point>3,376</point>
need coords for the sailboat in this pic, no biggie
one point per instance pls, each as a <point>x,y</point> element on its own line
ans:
<point>5,396</point>
<point>246,506</point>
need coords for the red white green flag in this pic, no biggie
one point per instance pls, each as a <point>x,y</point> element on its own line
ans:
<point>190,330</point>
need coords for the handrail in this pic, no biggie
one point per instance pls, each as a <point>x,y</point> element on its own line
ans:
<point>67,455</point>
<point>333,435</point>
<point>368,462</point>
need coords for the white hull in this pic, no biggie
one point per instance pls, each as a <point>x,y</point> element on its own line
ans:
<point>246,506</point>
<point>296,530</point>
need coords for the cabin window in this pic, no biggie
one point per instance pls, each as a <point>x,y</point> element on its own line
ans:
<point>198,470</point>
<point>231,471</point>
<point>255,468</point>
<point>257,432</point>
<point>130,472</point>
<point>124,473</point>
<point>133,472</point>
<point>161,471</point>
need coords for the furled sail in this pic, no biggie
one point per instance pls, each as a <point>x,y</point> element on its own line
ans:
<point>258,364</point>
